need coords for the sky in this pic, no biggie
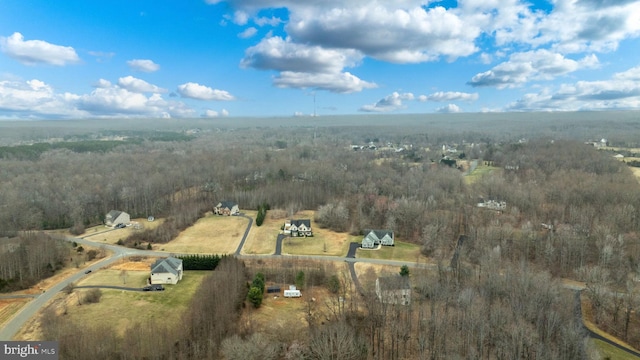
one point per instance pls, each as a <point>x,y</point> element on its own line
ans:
<point>78,59</point>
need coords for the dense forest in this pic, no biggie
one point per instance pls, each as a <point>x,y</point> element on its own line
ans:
<point>571,211</point>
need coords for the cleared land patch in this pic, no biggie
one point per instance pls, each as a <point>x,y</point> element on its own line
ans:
<point>108,235</point>
<point>262,239</point>
<point>402,251</point>
<point>212,234</point>
<point>119,309</point>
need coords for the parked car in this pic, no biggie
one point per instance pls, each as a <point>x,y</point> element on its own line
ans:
<point>120,226</point>
<point>155,287</point>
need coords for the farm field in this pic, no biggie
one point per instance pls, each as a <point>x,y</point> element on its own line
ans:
<point>211,234</point>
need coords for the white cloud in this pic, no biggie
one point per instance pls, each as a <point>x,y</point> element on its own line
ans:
<point>388,103</point>
<point>35,97</point>
<point>102,83</point>
<point>272,21</point>
<point>622,91</point>
<point>213,114</point>
<point>138,85</point>
<point>201,92</point>
<point>32,52</point>
<point>247,33</point>
<point>442,96</point>
<point>449,109</point>
<point>279,54</point>
<point>143,65</point>
<point>333,82</point>
<point>531,65</point>
<point>404,33</point>
<point>240,18</point>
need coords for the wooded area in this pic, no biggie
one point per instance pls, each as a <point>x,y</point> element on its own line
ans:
<point>572,211</point>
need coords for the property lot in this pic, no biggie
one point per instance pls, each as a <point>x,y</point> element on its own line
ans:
<point>262,239</point>
<point>212,234</point>
<point>119,309</point>
<point>109,235</point>
<point>402,251</point>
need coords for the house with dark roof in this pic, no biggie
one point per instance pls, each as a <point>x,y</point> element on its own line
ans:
<point>297,228</point>
<point>393,290</point>
<point>226,208</point>
<point>115,217</point>
<point>166,271</point>
<point>372,238</point>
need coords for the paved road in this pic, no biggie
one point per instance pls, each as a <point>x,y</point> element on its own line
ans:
<point>12,327</point>
<point>107,287</point>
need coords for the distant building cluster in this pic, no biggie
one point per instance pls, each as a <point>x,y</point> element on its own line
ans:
<point>493,205</point>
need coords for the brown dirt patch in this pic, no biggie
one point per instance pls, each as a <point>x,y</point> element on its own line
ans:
<point>143,265</point>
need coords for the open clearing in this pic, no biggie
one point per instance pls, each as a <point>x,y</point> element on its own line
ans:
<point>286,318</point>
<point>111,236</point>
<point>323,241</point>
<point>262,239</point>
<point>402,251</point>
<point>480,171</point>
<point>212,234</point>
<point>121,309</point>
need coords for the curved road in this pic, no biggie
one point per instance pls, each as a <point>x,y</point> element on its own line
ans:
<point>29,310</point>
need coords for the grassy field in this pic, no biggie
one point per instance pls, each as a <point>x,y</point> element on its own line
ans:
<point>480,171</point>
<point>402,251</point>
<point>121,309</point>
<point>9,307</point>
<point>323,242</point>
<point>212,234</point>
<point>262,239</point>
<point>286,318</point>
<point>608,351</point>
<point>107,235</point>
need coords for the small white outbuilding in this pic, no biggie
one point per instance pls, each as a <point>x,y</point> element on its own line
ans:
<point>292,292</point>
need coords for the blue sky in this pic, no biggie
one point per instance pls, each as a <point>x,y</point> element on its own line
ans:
<point>214,58</point>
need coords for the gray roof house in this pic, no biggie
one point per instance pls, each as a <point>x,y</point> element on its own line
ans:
<point>298,227</point>
<point>393,290</point>
<point>166,271</point>
<point>226,208</point>
<point>115,217</point>
<point>377,237</point>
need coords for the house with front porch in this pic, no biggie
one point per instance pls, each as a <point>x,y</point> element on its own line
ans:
<point>372,238</point>
<point>296,228</point>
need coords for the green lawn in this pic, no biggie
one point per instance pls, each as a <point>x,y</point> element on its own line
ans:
<point>402,251</point>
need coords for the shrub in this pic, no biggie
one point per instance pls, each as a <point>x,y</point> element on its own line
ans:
<point>93,296</point>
